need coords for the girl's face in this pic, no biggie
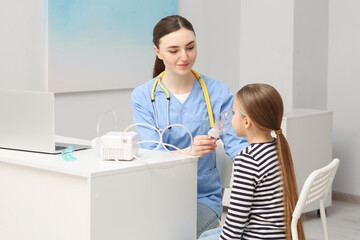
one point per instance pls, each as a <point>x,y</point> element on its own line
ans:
<point>178,51</point>
<point>238,120</point>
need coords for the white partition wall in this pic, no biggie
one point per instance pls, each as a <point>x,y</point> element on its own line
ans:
<point>343,91</point>
<point>22,45</point>
<point>267,45</point>
<point>310,53</point>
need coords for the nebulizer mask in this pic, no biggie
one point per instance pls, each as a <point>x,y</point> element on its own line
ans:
<point>222,124</point>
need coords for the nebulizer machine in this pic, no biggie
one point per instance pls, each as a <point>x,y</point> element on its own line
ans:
<point>123,146</point>
<point>117,145</point>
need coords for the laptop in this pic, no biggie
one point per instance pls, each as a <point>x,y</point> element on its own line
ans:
<point>27,122</point>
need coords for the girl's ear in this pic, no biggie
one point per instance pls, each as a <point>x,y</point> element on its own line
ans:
<point>248,122</point>
<point>157,51</point>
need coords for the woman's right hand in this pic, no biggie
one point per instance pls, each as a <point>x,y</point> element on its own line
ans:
<point>202,145</point>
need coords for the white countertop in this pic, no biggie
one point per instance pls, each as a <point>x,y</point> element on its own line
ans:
<point>89,162</point>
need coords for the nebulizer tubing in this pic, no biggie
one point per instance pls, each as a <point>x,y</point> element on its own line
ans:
<point>166,144</point>
<point>99,121</point>
<point>158,131</point>
<point>161,142</point>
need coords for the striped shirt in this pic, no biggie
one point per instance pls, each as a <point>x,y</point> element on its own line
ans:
<point>256,208</point>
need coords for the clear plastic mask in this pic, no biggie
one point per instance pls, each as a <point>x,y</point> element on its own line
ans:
<point>222,124</point>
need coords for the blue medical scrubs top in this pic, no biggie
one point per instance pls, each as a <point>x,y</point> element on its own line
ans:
<point>193,114</point>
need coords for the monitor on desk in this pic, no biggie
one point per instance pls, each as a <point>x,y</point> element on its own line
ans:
<point>27,122</point>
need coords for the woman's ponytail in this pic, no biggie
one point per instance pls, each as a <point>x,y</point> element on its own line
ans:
<point>159,67</point>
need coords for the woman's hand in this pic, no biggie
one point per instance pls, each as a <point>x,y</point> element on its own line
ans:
<point>202,145</point>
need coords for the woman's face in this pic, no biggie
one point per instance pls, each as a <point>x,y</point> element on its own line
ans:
<point>178,51</point>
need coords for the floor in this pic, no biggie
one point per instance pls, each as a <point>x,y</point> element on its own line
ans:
<point>343,220</point>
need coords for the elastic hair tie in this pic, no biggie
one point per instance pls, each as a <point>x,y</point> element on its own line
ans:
<point>278,132</point>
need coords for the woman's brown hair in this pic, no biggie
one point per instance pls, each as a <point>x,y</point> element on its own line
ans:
<point>165,26</point>
<point>264,106</point>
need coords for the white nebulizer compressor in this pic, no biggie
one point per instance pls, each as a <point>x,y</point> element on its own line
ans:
<point>119,145</point>
<point>116,145</point>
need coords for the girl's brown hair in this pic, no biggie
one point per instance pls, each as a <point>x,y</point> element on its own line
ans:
<point>264,106</point>
<point>165,26</point>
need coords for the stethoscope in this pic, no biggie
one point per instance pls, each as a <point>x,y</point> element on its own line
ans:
<point>203,87</point>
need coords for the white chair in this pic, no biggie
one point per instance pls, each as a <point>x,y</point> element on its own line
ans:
<point>315,190</point>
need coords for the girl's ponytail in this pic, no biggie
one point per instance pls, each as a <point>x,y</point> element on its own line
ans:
<point>290,193</point>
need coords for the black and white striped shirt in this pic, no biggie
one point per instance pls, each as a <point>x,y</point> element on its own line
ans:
<point>256,208</point>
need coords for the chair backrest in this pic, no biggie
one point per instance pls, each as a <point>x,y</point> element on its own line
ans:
<point>224,165</point>
<point>315,189</point>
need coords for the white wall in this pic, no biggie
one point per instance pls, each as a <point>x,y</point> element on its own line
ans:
<point>217,27</point>
<point>284,43</point>
<point>242,42</point>
<point>266,45</point>
<point>310,53</point>
<point>343,91</point>
<point>22,66</point>
<point>22,45</point>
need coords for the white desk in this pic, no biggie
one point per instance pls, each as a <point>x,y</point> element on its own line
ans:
<point>43,197</point>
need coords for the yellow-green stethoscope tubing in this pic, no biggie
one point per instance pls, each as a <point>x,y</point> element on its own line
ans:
<point>203,87</point>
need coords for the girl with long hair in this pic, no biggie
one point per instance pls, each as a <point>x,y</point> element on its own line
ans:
<point>264,191</point>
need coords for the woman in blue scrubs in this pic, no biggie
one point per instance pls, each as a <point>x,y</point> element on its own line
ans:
<point>175,47</point>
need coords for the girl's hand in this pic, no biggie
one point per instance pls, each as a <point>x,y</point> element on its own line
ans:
<point>202,145</point>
